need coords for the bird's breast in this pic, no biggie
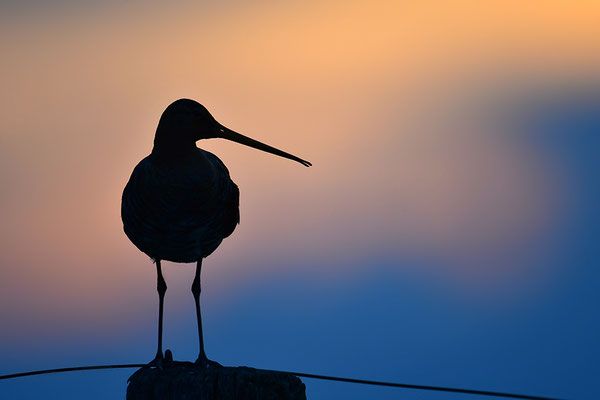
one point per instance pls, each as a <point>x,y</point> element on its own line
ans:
<point>180,211</point>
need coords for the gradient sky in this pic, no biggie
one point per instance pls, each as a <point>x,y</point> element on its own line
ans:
<point>447,234</point>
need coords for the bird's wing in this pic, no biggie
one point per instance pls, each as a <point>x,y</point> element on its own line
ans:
<point>228,198</point>
<point>180,214</point>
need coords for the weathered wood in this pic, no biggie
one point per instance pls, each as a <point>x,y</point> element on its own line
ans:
<point>186,381</point>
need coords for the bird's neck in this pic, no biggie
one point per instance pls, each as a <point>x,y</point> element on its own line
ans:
<point>169,146</point>
<point>174,153</point>
<point>171,140</point>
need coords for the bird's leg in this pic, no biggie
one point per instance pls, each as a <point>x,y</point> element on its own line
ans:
<point>202,360</point>
<point>196,292</point>
<point>161,287</point>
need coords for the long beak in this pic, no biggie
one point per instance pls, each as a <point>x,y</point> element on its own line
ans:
<point>226,133</point>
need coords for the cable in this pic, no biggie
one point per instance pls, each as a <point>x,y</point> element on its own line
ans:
<point>302,374</point>
<point>419,387</point>
<point>69,369</point>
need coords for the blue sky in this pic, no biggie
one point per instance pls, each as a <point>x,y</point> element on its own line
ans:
<point>447,234</point>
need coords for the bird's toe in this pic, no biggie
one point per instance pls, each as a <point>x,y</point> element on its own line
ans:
<point>158,361</point>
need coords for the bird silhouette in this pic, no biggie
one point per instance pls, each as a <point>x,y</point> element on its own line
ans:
<point>180,202</point>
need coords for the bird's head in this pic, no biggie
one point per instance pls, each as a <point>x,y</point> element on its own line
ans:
<point>186,121</point>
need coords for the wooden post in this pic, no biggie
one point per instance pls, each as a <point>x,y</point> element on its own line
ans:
<point>186,381</point>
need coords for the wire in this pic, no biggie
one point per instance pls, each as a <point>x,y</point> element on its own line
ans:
<point>420,387</point>
<point>302,374</point>
<point>69,369</point>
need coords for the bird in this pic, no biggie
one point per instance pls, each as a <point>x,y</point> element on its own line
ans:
<point>180,201</point>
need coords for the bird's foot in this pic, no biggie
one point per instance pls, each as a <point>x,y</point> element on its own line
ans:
<point>203,362</point>
<point>158,360</point>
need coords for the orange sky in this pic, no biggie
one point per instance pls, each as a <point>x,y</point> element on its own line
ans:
<point>393,103</point>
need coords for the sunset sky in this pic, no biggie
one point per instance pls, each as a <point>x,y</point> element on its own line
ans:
<point>448,232</point>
